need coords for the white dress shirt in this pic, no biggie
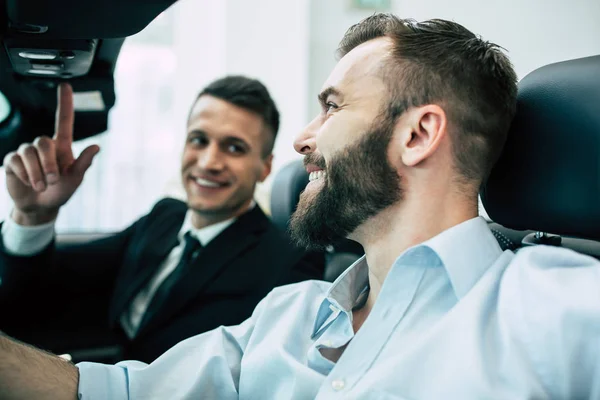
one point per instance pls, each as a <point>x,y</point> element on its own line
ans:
<point>456,318</point>
<point>29,240</point>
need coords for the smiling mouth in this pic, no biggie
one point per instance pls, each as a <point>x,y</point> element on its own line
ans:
<point>315,175</point>
<point>205,183</point>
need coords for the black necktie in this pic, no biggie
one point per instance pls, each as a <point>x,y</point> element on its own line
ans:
<point>190,252</point>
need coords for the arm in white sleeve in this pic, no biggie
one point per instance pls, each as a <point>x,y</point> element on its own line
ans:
<point>26,240</point>
<point>206,366</point>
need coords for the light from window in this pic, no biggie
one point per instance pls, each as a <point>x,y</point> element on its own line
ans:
<point>4,108</point>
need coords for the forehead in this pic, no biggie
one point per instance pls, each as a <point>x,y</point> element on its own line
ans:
<point>358,72</point>
<point>218,117</point>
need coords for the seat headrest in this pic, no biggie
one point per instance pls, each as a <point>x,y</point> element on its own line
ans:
<point>289,182</point>
<point>548,176</point>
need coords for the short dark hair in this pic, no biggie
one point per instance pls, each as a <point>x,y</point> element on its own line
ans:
<point>251,95</point>
<point>441,62</point>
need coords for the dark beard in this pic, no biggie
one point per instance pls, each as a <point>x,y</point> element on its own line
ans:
<point>359,184</point>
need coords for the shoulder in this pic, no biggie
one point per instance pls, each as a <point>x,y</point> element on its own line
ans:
<point>559,276</point>
<point>547,282</point>
<point>289,310</point>
<point>166,212</point>
<point>167,207</point>
<point>270,234</point>
<point>549,301</point>
<point>297,295</point>
<point>169,203</point>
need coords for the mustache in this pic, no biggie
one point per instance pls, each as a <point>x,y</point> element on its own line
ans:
<point>315,159</point>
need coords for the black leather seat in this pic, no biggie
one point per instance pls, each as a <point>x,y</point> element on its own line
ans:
<point>548,177</point>
<point>289,182</point>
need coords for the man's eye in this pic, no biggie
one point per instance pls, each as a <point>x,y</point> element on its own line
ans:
<point>236,149</point>
<point>198,141</point>
<point>330,107</point>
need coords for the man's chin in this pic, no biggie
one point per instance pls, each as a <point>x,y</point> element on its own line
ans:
<point>308,228</point>
<point>309,240</point>
<point>223,209</point>
<point>203,206</point>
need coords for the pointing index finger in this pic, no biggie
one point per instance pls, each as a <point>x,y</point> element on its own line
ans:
<point>65,115</point>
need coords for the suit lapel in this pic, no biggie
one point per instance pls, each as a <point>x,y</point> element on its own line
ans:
<point>154,248</point>
<point>213,258</point>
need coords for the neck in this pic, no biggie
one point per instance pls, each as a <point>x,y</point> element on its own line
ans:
<point>419,216</point>
<point>202,219</point>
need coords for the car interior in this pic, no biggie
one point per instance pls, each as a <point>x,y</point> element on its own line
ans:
<point>44,42</point>
<point>544,190</point>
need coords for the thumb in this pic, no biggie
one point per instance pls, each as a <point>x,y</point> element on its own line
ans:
<point>83,162</point>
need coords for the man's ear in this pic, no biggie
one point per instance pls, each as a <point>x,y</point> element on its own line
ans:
<point>266,167</point>
<point>421,133</point>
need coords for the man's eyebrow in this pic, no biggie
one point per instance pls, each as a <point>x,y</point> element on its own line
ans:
<point>328,92</point>
<point>227,139</point>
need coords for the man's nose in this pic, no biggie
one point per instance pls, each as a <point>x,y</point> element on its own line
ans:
<point>306,142</point>
<point>211,158</point>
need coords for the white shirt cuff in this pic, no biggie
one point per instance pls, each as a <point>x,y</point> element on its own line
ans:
<point>100,381</point>
<point>24,241</point>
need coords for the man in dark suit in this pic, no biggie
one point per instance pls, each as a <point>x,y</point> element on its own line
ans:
<point>182,269</point>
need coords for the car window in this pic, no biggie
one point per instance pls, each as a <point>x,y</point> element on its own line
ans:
<point>4,108</point>
<point>4,199</point>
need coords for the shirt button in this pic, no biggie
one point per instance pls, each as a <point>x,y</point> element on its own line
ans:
<point>338,384</point>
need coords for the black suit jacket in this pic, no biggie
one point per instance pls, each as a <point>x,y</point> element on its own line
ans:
<point>81,290</point>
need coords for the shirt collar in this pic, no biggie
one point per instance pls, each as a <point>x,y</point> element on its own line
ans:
<point>346,289</point>
<point>208,233</point>
<point>466,251</point>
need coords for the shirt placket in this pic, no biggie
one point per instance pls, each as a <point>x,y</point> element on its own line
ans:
<point>393,302</point>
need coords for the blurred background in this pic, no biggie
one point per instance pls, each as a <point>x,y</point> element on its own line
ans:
<point>290,46</point>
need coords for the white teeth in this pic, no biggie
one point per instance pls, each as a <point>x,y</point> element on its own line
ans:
<point>204,182</point>
<point>313,176</point>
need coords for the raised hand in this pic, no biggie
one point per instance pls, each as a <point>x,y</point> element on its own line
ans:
<point>42,176</point>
